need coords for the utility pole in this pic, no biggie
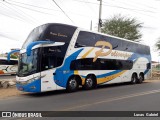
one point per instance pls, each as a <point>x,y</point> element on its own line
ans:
<point>99,20</point>
<point>91,25</point>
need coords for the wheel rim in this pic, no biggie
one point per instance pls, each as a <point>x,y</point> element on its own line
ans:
<point>141,78</point>
<point>133,80</point>
<point>89,82</point>
<point>73,84</point>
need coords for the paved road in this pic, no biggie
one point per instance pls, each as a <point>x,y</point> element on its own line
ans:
<point>122,97</point>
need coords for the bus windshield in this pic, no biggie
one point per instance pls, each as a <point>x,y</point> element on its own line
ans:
<point>28,64</point>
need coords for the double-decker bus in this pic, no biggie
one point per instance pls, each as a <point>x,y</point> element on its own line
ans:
<point>8,67</point>
<point>59,56</point>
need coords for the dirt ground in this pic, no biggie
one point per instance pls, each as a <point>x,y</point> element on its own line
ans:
<point>9,92</point>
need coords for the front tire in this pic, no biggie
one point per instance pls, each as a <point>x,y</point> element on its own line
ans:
<point>141,78</point>
<point>72,84</point>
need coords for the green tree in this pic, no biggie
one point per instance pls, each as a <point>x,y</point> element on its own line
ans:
<point>158,44</point>
<point>122,27</point>
<point>14,56</point>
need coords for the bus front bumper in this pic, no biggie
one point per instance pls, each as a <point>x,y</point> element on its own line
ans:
<point>34,86</point>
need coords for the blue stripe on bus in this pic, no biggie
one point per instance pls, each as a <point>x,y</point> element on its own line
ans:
<point>60,78</point>
<point>146,71</point>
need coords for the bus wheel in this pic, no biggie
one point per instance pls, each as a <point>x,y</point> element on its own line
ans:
<point>141,78</point>
<point>90,82</point>
<point>134,79</point>
<point>72,84</point>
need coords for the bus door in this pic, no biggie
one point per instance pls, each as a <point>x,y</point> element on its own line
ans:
<point>47,68</point>
<point>47,82</point>
<point>52,58</point>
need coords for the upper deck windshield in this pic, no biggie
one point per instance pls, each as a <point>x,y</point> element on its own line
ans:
<point>51,32</point>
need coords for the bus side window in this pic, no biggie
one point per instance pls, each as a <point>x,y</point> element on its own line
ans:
<point>3,62</point>
<point>13,62</point>
<point>85,38</point>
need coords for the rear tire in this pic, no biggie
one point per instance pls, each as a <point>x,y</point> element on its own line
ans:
<point>141,79</point>
<point>134,79</point>
<point>72,84</point>
<point>90,82</point>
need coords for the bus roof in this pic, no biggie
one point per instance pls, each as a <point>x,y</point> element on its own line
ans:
<point>81,29</point>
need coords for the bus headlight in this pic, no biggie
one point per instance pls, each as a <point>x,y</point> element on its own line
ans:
<point>37,78</point>
<point>34,79</point>
<point>31,80</point>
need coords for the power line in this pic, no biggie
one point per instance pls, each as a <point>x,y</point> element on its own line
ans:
<point>33,5</point>
<point>13,17</point>
<point>39,7</point>
<point>144,5</point>
<point>32,9</point>
<point>22,16</point>
<point>93,11</point>
<point>28,7</point>
<point>126,8</point>
<point>63,11</point>
<point>7,36</point>
<point>27,15</point>
<point>135,5</point>
<point>33,19</point>
<point>130,8</point>
<point>86,2</point>
<point>133,10</point>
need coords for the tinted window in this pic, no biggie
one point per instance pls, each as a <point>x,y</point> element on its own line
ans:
<point>101,64</point>
<point>13,62</point>
<point>35,35</point>
<point>6,62</point>
<point>89,39</point>
<point>3,62</point>
<point>52,57</point>
<point>59,33</point>
<point>86,39</point>
<point>52,32</point>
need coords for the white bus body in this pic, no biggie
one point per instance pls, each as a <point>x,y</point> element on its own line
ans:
<point>79,58</point>
<point>8,67</point>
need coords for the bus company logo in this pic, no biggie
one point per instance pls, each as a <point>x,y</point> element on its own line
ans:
<point>109,45</point>
<point>58,34</point>
<point>100,52</point>
<point>6,114</point>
